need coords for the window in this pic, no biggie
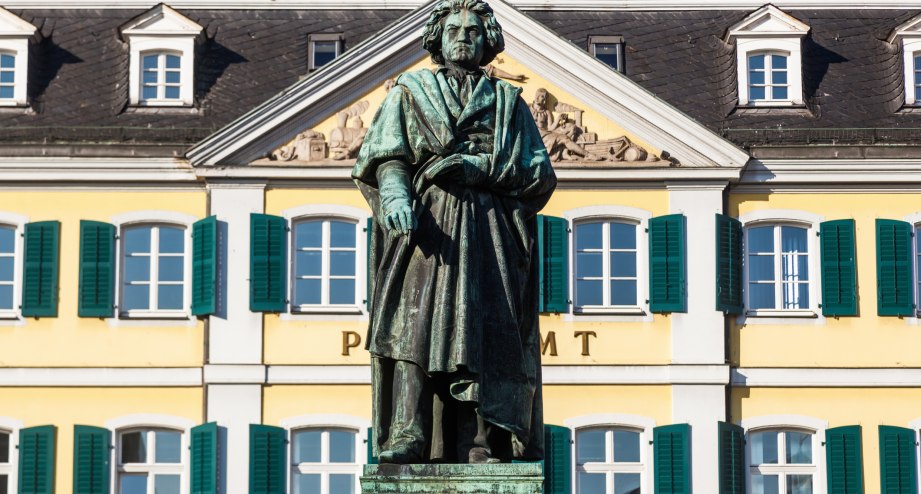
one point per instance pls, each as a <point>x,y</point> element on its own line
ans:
<point>609,460</point>
<point>154,269</point>
<point>7,76</point>
<point>917,77</point>
<point>782,462</point>
<point>767,77</point>
<point>608,49</point>
<point>6,463</point>
<point>778,267</point>
<point>325,461</point>
<point>14,58</point>
<point>605,265</point>
<point>322,49</point>
<point>161,77</point>
<point>150,461</point>
<point>325,263</point>
<point>7,268</point>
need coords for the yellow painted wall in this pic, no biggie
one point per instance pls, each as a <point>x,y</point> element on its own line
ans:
<point>864,341</point>
<point>71,341</point>
<point>563,402</point>
<point>66,407</point>
<point>866,407</point>
<point>282,402</point>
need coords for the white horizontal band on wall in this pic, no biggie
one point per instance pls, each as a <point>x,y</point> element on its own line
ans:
<point>100,376</point>
<point>825,378</point>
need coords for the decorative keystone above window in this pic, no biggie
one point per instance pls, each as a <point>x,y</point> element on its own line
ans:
<point>769,58</point>
<point>14,58</point>
<point>162,61</point>
<point>909,35</point>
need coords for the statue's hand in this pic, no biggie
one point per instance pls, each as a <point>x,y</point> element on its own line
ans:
<point>468,169</point>
<point>400,220</point>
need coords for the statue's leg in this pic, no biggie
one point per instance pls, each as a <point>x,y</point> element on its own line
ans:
<point>473,434</point>
<point>412,414</point>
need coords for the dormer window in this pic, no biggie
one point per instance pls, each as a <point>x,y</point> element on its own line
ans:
<point>14,58</point>
<point>323,48</point>
<point>7,75</point>
<point>908,35</point>
<point>608,49</point>
<point>162,51</point>
<point>769,58</point>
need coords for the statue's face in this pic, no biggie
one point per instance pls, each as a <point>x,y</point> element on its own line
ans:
<point>462,39</point>
<point>540,98</point>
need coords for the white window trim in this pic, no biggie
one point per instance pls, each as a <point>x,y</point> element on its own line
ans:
<point>329,211</point>
<point>144,420</point>
<point>794,218</point>
<point>915,425</point>
<point>627,421</point>
<point>313,38</point>
<point>332,421</point>
<point>608,40</point>
<point>914,220</point>
<point>911,46</point>
<point>137,218</point>
<point>783,46</point>
<point>14,40</point>
<point>183,47</point>
<point>641,217</point>
<point>12,426</point>
<point>802,422</point>
<point>18,222</point>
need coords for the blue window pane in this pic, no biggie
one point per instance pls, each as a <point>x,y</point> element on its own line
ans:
<point>307,447</point>
<point>765,484</point>
<point>342,263</point>
<point>795,267</point>
<point>778,62</point>
<point>6,268</point>
<point>308,234</point>
<point>588,236</point>
<point>6,91</point>
<point>591,483</point>
<point>7,76</point>
<point>172,62</point>
<point>172,92</point>
<point>136,297</point>
<point>172,77</point>
<point>150,62</point>
<point>792,239</point>
<point>917,62</point>
<point>761,239</point>
<point>623,292</point>
<point>150,77</point>
<point>7,240</point>
<point>340,483</point>
<point>589,292</point>
<point>341,447</point>
<point>756,93</point>
<point>307,483</point>
<point>171,240</point>
<point>342,291</point>
<point>761,296</point>
<point>590,446</point>
<point>134,447</point>
<point>4,450</point>
<point>761,268</point>
<point>167,448</point>
<point>778,77</point>
<point>341,234</point>
<point>6,297</point>
<point>170,269</point>
<point>166,484</point>
<point>799,447</point>
<point>324,52</point>
<point>917,94</point>
<point>137,240</point>
<point>7,61</point>
<point>780,93</point>
<point>589,264</point>
<point>308,263</point>
<point>756,62</point>
<point>626,483</point>
<point>137,268</point>
<point>626,446</point>
<point>149,93</point>
<point>4,484</point>
<point>623,236</point>
<point>623,264</point>
<point>610,59</point>
<point>799,484</point>
<point>764,448</point>
<point>756,77</point>
<point>169,297</point>
<point>133,484</point>
<point>307,292</point>
<point>795,296</point>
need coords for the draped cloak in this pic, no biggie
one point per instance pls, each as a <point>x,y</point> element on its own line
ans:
<point>458,296</point>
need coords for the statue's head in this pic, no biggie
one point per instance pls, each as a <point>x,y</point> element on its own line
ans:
<point>463,33</point>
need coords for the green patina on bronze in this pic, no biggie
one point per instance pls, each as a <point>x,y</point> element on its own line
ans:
<point>508,478</point>
<point>455,171</point>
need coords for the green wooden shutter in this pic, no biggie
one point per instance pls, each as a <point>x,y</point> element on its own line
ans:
<point>97,269</point>
<point>372,460</point>
<point>40,269</point>
<point>844,460</point>
<point>732,458</point>
<point>839,268</point>
<point>267,263</point>
<point>897,460</point>
<point>369,263</point>
<point>667,271</point>
<point>91,460</point>
<point>672,452</point>
<point>267,463</point>
<point>204,447</point>
<point>894,290</point>
<point>36,460</point>
<point>204,266</point>
<point>728,264</point>
<point>553,252</point>
<point>557,459</point>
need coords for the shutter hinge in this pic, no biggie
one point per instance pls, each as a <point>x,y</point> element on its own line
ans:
<point>646,230</point>
<point>818,234</point>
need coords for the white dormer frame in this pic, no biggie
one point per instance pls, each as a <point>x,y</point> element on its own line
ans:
<point>14,40</point>
<point>161,30</point>
<point>909,34</point>
<point>769,30</point>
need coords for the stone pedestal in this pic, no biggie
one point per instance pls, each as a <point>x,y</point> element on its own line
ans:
<point>499,478</point>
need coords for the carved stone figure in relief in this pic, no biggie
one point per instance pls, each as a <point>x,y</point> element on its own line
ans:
<point>558,134</point>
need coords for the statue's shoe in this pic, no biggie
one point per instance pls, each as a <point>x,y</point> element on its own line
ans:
<point>401,456</point>
<point>481,455</point>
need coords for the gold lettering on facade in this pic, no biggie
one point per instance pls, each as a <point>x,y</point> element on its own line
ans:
<point>548,343</point>
<point>350,340</point>
<point>584,335</point>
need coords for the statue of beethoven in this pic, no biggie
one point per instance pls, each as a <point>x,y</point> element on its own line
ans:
<point>455,171</point>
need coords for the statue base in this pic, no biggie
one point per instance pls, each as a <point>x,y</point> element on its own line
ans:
<point>495,478</point>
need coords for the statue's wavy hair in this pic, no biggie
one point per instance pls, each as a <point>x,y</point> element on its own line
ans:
<point>431,35</point>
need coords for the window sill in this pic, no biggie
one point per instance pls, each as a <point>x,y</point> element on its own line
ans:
<point>140,315</point>
<point>180,109</point>
<point>326,309</point>
<point>609,311</point>
<point>794,313</point>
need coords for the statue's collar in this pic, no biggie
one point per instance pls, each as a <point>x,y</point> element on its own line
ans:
<point>460,73</point>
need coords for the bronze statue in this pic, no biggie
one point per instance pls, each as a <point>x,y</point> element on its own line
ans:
<point>455,171</point>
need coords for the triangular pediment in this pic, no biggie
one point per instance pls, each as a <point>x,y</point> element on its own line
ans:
<point>160,20</point>
<point>11,26</point>
<point>768,21</point>
<point>909,28</point>
<point>316,119</point>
